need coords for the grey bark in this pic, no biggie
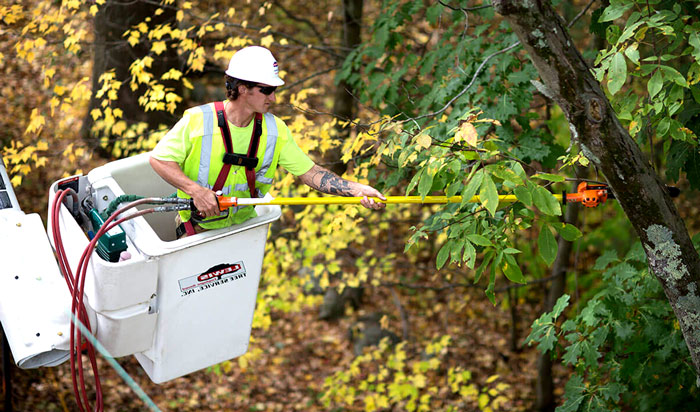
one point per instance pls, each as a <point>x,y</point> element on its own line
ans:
<point>544,387</point>
<point>602,139</point>
<point>112,51</point>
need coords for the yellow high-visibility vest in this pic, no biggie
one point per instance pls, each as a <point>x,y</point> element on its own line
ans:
<point>205,160</point>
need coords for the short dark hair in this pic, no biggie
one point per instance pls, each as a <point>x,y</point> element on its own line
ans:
<point>232,84</point>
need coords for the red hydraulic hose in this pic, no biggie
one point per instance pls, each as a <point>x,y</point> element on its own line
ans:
<point>80,395</point>
<point>76,286</point>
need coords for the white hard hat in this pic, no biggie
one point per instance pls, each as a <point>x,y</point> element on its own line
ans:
<point>255,64</point>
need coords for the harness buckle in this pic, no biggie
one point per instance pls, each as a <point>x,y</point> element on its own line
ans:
<point>235,159</point>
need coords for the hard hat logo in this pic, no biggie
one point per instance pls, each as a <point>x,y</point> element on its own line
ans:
<point>255,64</point>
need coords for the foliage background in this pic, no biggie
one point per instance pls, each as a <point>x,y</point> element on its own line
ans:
<point>461,348</point>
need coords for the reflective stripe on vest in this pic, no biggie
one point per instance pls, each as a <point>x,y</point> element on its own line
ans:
<point>267,159</point>
<point>208,118</point>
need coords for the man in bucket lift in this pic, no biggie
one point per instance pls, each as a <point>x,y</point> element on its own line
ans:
<point>198,158</point>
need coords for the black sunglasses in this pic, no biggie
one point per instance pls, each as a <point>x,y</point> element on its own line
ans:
<point>266,90</point>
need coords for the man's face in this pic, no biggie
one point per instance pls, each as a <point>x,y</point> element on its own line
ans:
<point>257,98</point>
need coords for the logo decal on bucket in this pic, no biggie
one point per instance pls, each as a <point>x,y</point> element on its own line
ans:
<point>212,277</point>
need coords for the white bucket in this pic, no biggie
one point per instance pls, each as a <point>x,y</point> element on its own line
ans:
<point>178,305</point>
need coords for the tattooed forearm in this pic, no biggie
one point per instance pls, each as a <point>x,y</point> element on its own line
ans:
<point>328,182</point>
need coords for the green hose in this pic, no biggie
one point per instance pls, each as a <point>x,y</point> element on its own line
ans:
<point>118,201</point>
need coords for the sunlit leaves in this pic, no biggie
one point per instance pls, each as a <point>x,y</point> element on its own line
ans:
<point>397,378</point>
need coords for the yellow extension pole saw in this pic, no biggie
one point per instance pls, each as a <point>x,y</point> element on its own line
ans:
<point>589,194</point>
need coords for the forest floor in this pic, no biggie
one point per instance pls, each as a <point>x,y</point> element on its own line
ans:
<point>298,353</point>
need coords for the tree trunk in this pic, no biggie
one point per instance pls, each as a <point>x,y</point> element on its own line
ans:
<point>343,100</point>
<point>113,52</point>
<point>602,139</point>
<point>545,384</point>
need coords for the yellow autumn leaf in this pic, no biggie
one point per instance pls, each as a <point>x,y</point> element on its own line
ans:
<point>36,122</point>
<point>172,74</point>
<point>267,40</point>
<point>424,140</point>
<point>494,121</point>
<point>119,128</point>
<point>467,133</point>
<point>419,381</point>
<point>159,47</point>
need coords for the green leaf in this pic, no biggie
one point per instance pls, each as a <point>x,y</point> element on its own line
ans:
<point>469,256</point>
<point>550,177</point>
<point>426,182</point>
<point>507,175</point>
<point>414,181</point>
<point>609,256</point>
<point>561,304</point>
<point>443,254</point>
<point>655,84</point>
<point>632,53</point>
<point>492,282</point>
<point>617,73</point>
<point>572,353</point>
<point>511,269</point>
<point>694,40</point>
<point>433,12</point>
<point>623,329</point>
<point>629,32</point>
<point>568,232</point>
<point>615,10</point>
<point>547,245</point>
<point>575,393</point>
<point>673,75</point>
<point>484,264</point>
<point>472,187</point>
<point>479,240</point>
<point>523,195</point>
<point>488,195</point>
<point>546,202</point>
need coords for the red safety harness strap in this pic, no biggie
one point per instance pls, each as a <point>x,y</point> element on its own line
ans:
<point>230,158</point>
